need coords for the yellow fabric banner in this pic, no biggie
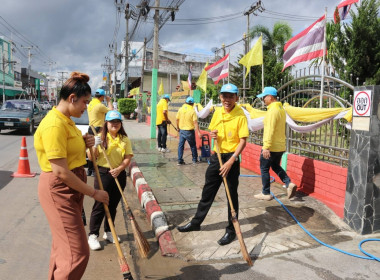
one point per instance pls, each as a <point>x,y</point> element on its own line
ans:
<point>185,85</point>
<point>313,114</point>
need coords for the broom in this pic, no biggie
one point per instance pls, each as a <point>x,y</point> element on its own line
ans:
<point>235,221</point>
<point>140,241</point>
<point>122,261</point>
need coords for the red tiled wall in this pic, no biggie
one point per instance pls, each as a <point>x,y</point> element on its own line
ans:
<point>323,181</point>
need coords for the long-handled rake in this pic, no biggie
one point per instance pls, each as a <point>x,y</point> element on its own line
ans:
<point>235,221</point>
<point>122,261</point>
<point>141,243</point>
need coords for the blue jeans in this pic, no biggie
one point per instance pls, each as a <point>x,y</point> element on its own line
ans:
<point>274,163</point>
<point>189,136</point>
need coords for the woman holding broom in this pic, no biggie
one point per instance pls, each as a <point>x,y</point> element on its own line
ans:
<point>119,152</point>
<point>61,153</point>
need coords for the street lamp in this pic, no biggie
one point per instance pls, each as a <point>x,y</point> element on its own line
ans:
<point>3,63</point>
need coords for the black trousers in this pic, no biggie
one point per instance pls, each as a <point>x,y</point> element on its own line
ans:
<point>162,135</point>
<point>212,183</point>
<point>90,164</point>
<point>110,186</point>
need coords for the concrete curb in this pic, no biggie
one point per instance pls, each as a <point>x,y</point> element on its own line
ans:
<point>154,212</point>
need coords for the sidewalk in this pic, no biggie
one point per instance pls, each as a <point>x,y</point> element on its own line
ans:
<point>267,229</point>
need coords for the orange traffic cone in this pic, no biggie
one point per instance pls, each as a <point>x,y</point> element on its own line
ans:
<point>23,163</point>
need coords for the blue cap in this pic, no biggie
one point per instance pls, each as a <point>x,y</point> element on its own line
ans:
<point>230,88</point>
<point>113,115</point>
<point>100,92</point>
<point>268,91</point>
<point>190,100</point>
<point>166,96</point>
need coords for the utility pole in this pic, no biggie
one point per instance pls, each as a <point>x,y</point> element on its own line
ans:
<point>247,41</point>
<point>154,73</point>
<point>61,79</point>
<point>143,67</point>
<point>108,67</point>
<point>113,49</point>
<point>126,61</point>
<point>29,67</point>
<point>3,67</point>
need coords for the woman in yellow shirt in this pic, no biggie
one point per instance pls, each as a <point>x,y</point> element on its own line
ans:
<point>119,152</point>
<point>61,153</point>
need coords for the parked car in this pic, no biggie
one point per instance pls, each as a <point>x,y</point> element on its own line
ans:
<point>82,124</point>
<point>46,105</point>
<point>21,114</point>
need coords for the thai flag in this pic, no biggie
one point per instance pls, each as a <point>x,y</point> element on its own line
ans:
<point>306,45</point>
<point>219,69</point>
<point>343,9</point>
<point>189,77</point>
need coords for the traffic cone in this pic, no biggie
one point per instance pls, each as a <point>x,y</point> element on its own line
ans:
<point>23,170</point>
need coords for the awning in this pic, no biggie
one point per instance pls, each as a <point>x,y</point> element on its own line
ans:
<point>11,91</point>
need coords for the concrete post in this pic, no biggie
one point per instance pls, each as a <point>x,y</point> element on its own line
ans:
<point>362,202</point>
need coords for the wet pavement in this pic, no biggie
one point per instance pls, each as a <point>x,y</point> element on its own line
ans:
<point>267,229</point>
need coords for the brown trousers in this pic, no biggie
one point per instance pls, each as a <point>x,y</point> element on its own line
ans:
<point>63,208</point>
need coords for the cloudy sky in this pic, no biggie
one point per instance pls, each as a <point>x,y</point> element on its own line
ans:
<point>75,34</point>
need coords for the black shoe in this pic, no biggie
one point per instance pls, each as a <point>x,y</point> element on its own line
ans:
<point>189,227</point>
<point>227,238</point>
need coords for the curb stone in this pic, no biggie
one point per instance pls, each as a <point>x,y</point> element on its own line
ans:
<point>154,212</point>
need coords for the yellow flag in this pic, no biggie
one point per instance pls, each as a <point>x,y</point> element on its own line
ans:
<point>254,56</point>
<point>134,91</point>
<point>161,89</point>
<point>202,81</point>
<point>185,85</point>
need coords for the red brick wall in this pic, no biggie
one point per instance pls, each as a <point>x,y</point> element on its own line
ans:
<point>323,181</point>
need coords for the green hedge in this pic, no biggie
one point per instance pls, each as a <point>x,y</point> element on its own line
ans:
<point>126,106</point>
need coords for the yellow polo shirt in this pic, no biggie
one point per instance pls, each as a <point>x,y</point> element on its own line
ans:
<point>96,112</point>
<point>162,106</point>
<point>274,128</point>
<point>58,137</point>
<point>231,128</point>
<point>116,151</point>
<point>186,116</point>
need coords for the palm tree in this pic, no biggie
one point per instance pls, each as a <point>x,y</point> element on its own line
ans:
<point>273,41</point>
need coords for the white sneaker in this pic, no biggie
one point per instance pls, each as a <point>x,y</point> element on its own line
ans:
<point>165,150</point>
<point>159,149</point>
<point>93,242</point>
<point>108,236</point>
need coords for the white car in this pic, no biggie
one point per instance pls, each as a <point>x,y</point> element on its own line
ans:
<point>82,124</point>
<point>46,105</point>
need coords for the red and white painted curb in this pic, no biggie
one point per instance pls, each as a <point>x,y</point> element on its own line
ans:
<point>154,212</point>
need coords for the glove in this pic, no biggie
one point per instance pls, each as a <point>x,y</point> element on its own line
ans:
<point>98,141</point>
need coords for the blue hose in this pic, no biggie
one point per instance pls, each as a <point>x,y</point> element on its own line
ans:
<point>368,257</point>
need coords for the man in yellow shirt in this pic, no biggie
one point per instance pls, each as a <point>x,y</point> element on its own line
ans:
<point>186,122</point>
<point>273,144</point>
<point>96,114</point>
<point>230,127</point>
<point>162,122</point>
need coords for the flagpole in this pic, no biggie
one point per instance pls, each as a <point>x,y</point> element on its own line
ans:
<point>262,67</point>
<point>323,63</point>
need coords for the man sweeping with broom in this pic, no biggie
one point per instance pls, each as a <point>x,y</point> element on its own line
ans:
<point>229,127</point>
